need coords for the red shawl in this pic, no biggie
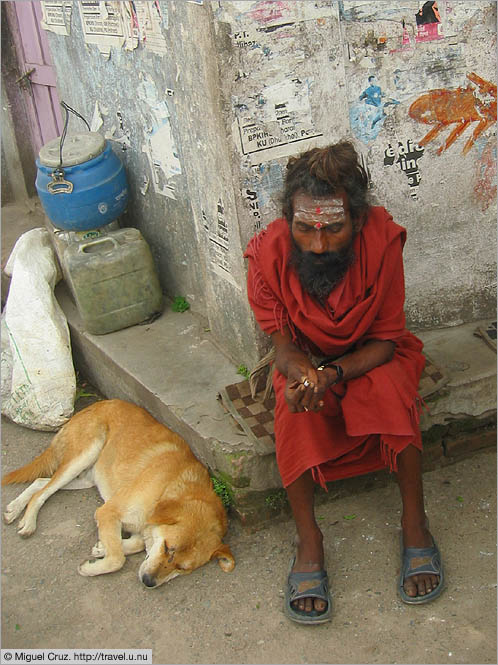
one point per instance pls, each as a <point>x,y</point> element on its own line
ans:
<point>380,407</point>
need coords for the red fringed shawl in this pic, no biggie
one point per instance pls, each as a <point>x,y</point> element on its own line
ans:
<point>368,421</point>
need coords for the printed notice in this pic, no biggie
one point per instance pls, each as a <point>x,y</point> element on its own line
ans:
<point>56,16</point>
<point>279,118</point>
<point>103,24</point>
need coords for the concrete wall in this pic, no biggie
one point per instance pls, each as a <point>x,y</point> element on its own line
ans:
<point>205,101</point>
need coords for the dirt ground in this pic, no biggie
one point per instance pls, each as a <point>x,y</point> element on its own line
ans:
<point>216,617</point>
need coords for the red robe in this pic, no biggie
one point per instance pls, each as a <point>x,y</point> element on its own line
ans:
<point>365,422</point>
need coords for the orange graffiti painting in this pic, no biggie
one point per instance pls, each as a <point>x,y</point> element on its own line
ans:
<point>460,107</point>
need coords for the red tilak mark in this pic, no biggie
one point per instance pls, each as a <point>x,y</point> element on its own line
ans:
<point>319,225</point>
<point>318,211</point>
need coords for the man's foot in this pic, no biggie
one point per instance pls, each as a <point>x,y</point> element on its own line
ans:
<point>420,552</point>
<point>309,559</point>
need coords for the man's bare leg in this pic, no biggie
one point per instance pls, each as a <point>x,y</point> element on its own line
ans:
<point>414,519</point>
<point>309,555</point>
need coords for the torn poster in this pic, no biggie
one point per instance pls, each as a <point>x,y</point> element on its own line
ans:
<point>56,16</point>
<point>160,146</point>
<point>145,21</point>
<point>271,124</point>
<point>219,242</point>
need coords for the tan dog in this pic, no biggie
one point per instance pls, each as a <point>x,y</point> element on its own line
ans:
<point>152,485</point>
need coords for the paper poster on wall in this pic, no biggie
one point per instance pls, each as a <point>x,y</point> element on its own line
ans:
<point>56,16</point>
<point>160,146</point>
<point>103,24</point>
<point>428,20</point>
<point>270,125</point>
<point>218,234</point>
<point>146,21</point>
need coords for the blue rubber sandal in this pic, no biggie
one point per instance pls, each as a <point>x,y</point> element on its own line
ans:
<point>416,561</point>
<point>307,585</point>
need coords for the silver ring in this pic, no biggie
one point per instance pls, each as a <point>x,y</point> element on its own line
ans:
<point>306,383</point>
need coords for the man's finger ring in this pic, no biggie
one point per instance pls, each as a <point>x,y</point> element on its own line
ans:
<point>305,408</point>
<point>306,383</point>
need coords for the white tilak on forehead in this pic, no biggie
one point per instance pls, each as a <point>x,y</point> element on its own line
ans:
<point>320,213</point>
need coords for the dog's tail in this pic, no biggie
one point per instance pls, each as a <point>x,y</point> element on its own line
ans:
<point>42,466</point>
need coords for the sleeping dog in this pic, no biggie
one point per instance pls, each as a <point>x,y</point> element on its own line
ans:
<point>152,484</point>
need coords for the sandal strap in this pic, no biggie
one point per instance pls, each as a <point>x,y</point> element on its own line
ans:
<point>308,585</point>
<point>419,560</point>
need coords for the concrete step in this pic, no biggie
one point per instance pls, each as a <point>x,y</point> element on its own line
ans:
<point>171,367</point>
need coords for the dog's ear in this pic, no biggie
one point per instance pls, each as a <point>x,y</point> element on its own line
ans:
<point>225,557</point>
<point>166,512</point>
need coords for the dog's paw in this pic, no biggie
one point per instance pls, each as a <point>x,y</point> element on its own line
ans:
<point>11,513</point>
<point>98,550</point>
<point>89,568</point>
<point>93,567</point>
<point>26,527</point>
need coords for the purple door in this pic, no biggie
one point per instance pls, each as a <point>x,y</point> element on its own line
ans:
<point>40,93</point>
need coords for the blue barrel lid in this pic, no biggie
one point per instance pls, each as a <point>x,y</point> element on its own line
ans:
<point>77,148</point>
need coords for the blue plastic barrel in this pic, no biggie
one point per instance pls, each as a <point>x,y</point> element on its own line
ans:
<point>88,190</point>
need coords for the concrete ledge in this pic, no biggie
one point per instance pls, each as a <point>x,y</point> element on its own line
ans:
<point>171,368</point>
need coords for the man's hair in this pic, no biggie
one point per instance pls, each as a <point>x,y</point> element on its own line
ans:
<point>327,172</point>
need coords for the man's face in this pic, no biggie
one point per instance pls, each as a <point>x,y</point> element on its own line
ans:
<point>322,233</point>
<point>321,224</point>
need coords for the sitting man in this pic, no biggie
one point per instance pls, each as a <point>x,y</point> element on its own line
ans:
<point>326,282</point>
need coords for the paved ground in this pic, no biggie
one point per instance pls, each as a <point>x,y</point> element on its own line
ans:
<point>216,617</point>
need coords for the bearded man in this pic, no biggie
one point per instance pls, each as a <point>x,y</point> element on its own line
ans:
<point>326,282</point>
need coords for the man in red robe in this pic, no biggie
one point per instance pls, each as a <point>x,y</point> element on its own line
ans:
<point>326,282</point>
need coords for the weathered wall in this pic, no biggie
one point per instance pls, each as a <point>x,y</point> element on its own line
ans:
<point>206,100</point>
<point>297,69</point>
<point>160,104</point>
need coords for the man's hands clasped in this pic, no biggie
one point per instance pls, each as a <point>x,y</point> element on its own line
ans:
<point>305,388</point>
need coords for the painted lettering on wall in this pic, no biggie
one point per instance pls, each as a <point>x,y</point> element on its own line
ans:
<point>406,156</point>
<point>460,108</point>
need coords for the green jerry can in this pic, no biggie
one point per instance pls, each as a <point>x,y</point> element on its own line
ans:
<point>113,280</point>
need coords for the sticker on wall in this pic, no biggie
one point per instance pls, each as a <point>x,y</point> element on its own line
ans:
<point>406,155</point>
<point>56,16</point>
<point>160,146</point>
<point>367,115</point>
<point>459,109</point>
<point>270,124</point>
<point>428,22</point>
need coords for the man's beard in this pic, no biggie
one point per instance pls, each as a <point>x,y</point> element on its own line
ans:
<point>320,273</point>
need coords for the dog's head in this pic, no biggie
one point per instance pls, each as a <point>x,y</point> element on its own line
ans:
<point>182,537</point>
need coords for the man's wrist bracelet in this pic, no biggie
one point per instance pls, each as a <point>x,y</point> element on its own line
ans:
<point>338,369</point>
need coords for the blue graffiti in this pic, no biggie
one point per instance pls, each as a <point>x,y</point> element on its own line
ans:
<point>368,114</point>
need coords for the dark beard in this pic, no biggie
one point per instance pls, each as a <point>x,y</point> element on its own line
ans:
<point>320,273</point>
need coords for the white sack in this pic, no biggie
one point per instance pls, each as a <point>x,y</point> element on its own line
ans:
<point>38,383</point>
